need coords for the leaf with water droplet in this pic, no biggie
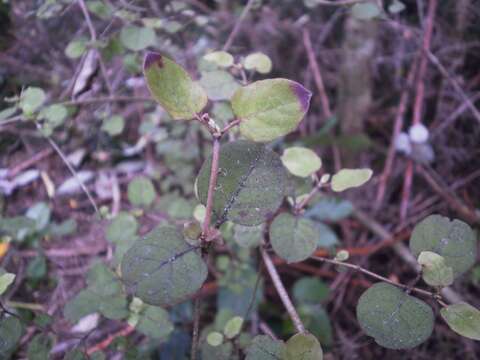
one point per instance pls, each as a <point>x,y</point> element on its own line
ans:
<point>454,240</point>
<point>463,318</point>
<point>162,268</point>
<point>270,108</point>
<point>251,183</point>
<point>293,238</point>
<point>435,271</point>
<point>263,347</point>
<point>303,347</point>
<point>394,319</point>
<point>173,87</point>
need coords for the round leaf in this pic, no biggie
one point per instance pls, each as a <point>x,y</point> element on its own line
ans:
<point>293,239</point>
<point>233,327</point>
<point>259,62</point>
<point>435,272</point>
<point>219,84</point>
<point>454,240</point>
<point>464,319</point>
<point>220,58</point>
<point>350,178</point>
<point>215,338</point>
<point>141,191</point>
<point>154,322</point>
<point>394,319</point>
<point>304,347</point>
<point>264,347</point>
<point>113,125</point>
<point>301,161</point>
<point>162,269</point>
<point>366,11</point>
<point>270,108</point>
<point>251,183</point>
<point>248,236</point>
<point>137,38</point>
<point>55,114</point>
<point>10,334</point>
<point>32,99</point>
<point>173,87</point>
<point>76,48</point>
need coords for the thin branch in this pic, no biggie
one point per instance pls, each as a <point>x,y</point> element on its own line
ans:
<point>105,100</point>
<point>211,186</point>
<point>339,2</point>
<point>277,282</point>
<point>238,25</point>
<point>230,126</point>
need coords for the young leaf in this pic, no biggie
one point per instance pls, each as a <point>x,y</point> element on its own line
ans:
<point>220,58</point>
<point>219,84</point>
<point>270,108</point>
<point>5,280</point>
<point>259,62</point>
<point>263,347</point>
<point>248,236</point>
<point>350,178</point>
<point>141,191</point>
<point>76,48</point>
<point>301,161</point>
<point>137,38</point>
<point>396,6</point>
<point>304,347</point>
<point>215,339</point>
<point>233,327</point>
<point>366,11</point>
<point>10,334</point>
<point>330,209</point>
<point>173,87</point>
<point>32,98</point>
<point>293,239</point>
<point>454,240</point>
<point>163,269</point>
<point>54,114</point>
<point>394,319</point>
<point>463,318</point>
<point>435,272</point>
<point>154,322</point>
<point>113,125</point>
<point>251,183</point>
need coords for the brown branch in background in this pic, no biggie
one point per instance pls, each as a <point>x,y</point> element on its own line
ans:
<point>238,25</point>
<point>282,292</point>
<point>110,338</point>
<point>418,104</point>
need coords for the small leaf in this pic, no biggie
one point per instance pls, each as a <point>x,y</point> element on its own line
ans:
<point>215,339</point>
<point>141,191</point>
<point>310,290</point>
<point>350,178</point>
<point>264,347</point>
<point>137,38</point>
<point>162,269</point>
<point>154,322</point>
<point>304,347</point>
<point>463,318</point>
<point>10,334</point>
<point>113,125</point>
<point>251,183</point>
<point>219,84</point>
<point>122,232</point>
<point>39,347</point>
<point>342,255</point>
<point>248,236</point>
<point>54,114</point>
<point>32,98</point>
<point>330,209</point>
<point>6,113</point>
<point>173,87</point>
<point>394,319</point>
<point>233,327</point>
<point>76,48</point>
<point>220,58</point>
<point>366,11</point>
<point>454,240</point>
<point>270,108</point>
<point>259,62</point>
<point>293,239</point>
<point>396,6</point>
<point>301,161</point>
<point>6,279</point>
<point>435,272</point>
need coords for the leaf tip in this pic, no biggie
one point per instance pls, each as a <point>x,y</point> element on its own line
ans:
<point>152,58</point>
<point>302,94</point>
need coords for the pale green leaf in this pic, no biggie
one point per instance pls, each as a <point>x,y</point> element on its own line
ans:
<point>303,347</point>
<point>396,6</point>
<point>163,269</point>
<point>215,338</point>
<point>220,58</point>
<point>350,178</point>
<point>6,279</point>
<point>233,327</point>
<point>137,38</point>
<point>301,161</point>
<point>76,48</point>
<point>269,109</point>
<point>464,319</point>
<point>55,114</point>
<point>259,62</point>
<point>342,255</point>
<point>40,213</point>
<point>454,240</point>
<point>10,334</point>
<point>263,347</point>
<point>32,98</point>
<point>113,125</point>
<point>330,209</point>
<point>435,271</point>
<point>366,11</point>
<point>141,191</point>
<point>219,84</point>
<point>6,113</point>
<point>293,239</point>
<point>251,183</point>
<point>154,322</point>
<point>394,319</point>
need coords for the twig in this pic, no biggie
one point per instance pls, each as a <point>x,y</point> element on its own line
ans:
<point>105,100</point>
<point>105,343</point>
<point>196,324</point>
<point>238,25</point>
<point>211,187</point>
<point>339,2</point>
<point>231,125</point>
<point>277,282</point>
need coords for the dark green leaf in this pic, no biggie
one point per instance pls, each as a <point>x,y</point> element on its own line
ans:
<point>10,334</point>
<point>39,347</point>
<point>141,191</point>
<point>264,347</point>
<point>154,322</point>
<point>310,290</point>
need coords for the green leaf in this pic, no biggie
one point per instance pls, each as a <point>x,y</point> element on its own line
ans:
<point>330,209</point>
<point>219,84</point>
<point>32,98</point>
<point>39,347</point>
<point>221,352</point>
<point>259,62</point>
<point>394,319</point>
<point>350,178</point>
<point>37,267</point>
<point>293,239</point>
<point>233,327</point>
<point>326,237</point>
<point>301,161</point>
<point>76,48</point>
<point>303,347</point>
<point>40,213</point>
<point>137,38</point>
<point>113,125</point>
<point>454,240</point>
<point>18,227</point>
<point>75,355</point>
<point>317,322</point>
<point>215,339</point>
<point>141,191</point>
<point>264,347</point>
<point>310,290</point>
<point>154,322</point>
<point>463,318</point>
<point>122,232</point>
<point>6,279</point>
<point>248,236</point>
<point>54,114</point>
<point>101,9</point>
<point>162,269</point>
<point>396,6</point>
<point>10,334</point>
<point>270,108</point>
<point>251,183</point>
<point>6,113</point>
<point>220,58</point>
<point>173,87</point>
<point>366,11</point>
<point>435,271</point>
<point>104,294</point>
